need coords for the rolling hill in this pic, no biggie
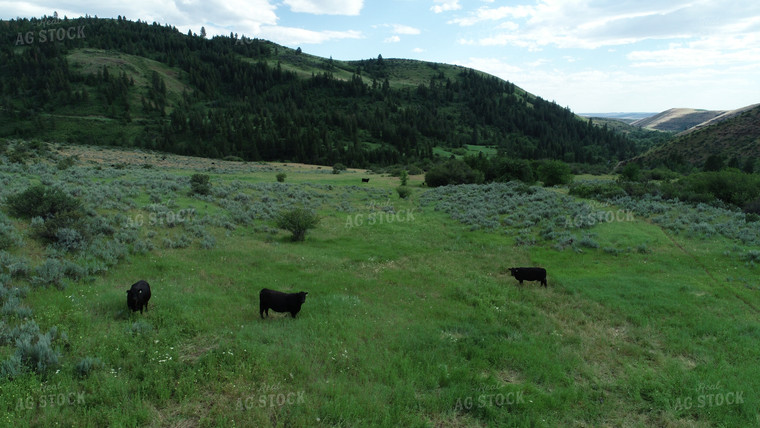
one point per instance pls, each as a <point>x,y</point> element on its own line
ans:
<point>738,137</point>
<point>143,85</point>
<point>626,117</point>
<point>685,120</point>
<point>677,119</point>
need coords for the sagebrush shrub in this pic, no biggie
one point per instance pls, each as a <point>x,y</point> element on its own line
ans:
<point>587,241</point>
<point>208,242</point>
<point>34,351</point>
<point>69,239</point>
<point>13,266</point>
<point>66,163</point>
<point>86,365</point>
<point>8,236</point>
<point>37,354</point>
<point>143,246</point>
<point>53,271</point>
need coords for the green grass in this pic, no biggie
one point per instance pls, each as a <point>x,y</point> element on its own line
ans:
<point>469,149</point>
<point>407,323</point>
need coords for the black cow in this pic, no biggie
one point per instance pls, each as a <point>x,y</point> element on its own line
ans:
<point>138,296</point>
<point>529,274</point>
<point>365,180</point>
<point>280,302</point>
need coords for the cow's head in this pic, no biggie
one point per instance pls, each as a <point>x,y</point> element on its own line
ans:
<point>513,271</point>
<point>302,296</point>
<point>133,299</point>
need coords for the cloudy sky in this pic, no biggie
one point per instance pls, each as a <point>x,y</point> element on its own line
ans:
<point>589,55</point>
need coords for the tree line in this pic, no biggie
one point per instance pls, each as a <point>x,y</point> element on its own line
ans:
<point>239,100</point>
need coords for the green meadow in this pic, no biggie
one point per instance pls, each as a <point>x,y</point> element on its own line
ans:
<point>412,318</point>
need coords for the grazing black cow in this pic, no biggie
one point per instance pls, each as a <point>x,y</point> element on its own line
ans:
<point>138,296</point>
<point>529,274</point>
<point>365,180</point>
<point>280,302</point>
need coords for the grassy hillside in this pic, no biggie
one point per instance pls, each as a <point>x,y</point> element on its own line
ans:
<point>677,119</point>
<point>412,319</point>
<point>738,137</point>
<point>133,84</point>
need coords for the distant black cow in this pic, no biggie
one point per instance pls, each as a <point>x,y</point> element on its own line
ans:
<point>280,302</point>
<point>365,180</point>
<point>138,296</point>
<point>529,274</point>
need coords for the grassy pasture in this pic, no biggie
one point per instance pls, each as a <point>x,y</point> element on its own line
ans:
<point>412,318</point>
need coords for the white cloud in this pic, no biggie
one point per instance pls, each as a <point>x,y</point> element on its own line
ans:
<point>695,54</point>
<point>405,29</point>
<point>418,50</point>
<point>326,7</point>
<point>392,39</point>
<point>400,29</point>
<point>445,6</point>
<point>290,36</point>
<point>494,66</point>
<point>242,15</point>
<point>494,14</point>
<point>591,24</point>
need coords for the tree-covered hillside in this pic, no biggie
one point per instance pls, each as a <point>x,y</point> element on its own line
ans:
<point>118,82</point>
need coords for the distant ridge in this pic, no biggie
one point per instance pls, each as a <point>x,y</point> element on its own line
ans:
<point>678,119</point>
<point>627,117</point>
<point>733,134</point>
<point>726,115</point>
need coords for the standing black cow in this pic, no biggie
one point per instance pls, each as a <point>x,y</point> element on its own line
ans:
<point>529,274</point>
<point>365,180</point>
<point>280,302</point>
<point>138,296</point>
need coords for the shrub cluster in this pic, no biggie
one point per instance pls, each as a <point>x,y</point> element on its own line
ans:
<point>200,185</point>
<point>554,172</point>
<point>51,208</point>
<point>730,186</point>
<point>86,365</point>
<point>403,191</point>
<point>596,189</point>
<point>516,208</point>
<point>297,221</point>
<point>452,172</point>
<point>34,351</point>
<point>9,237</point>
<point>53,271</point>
